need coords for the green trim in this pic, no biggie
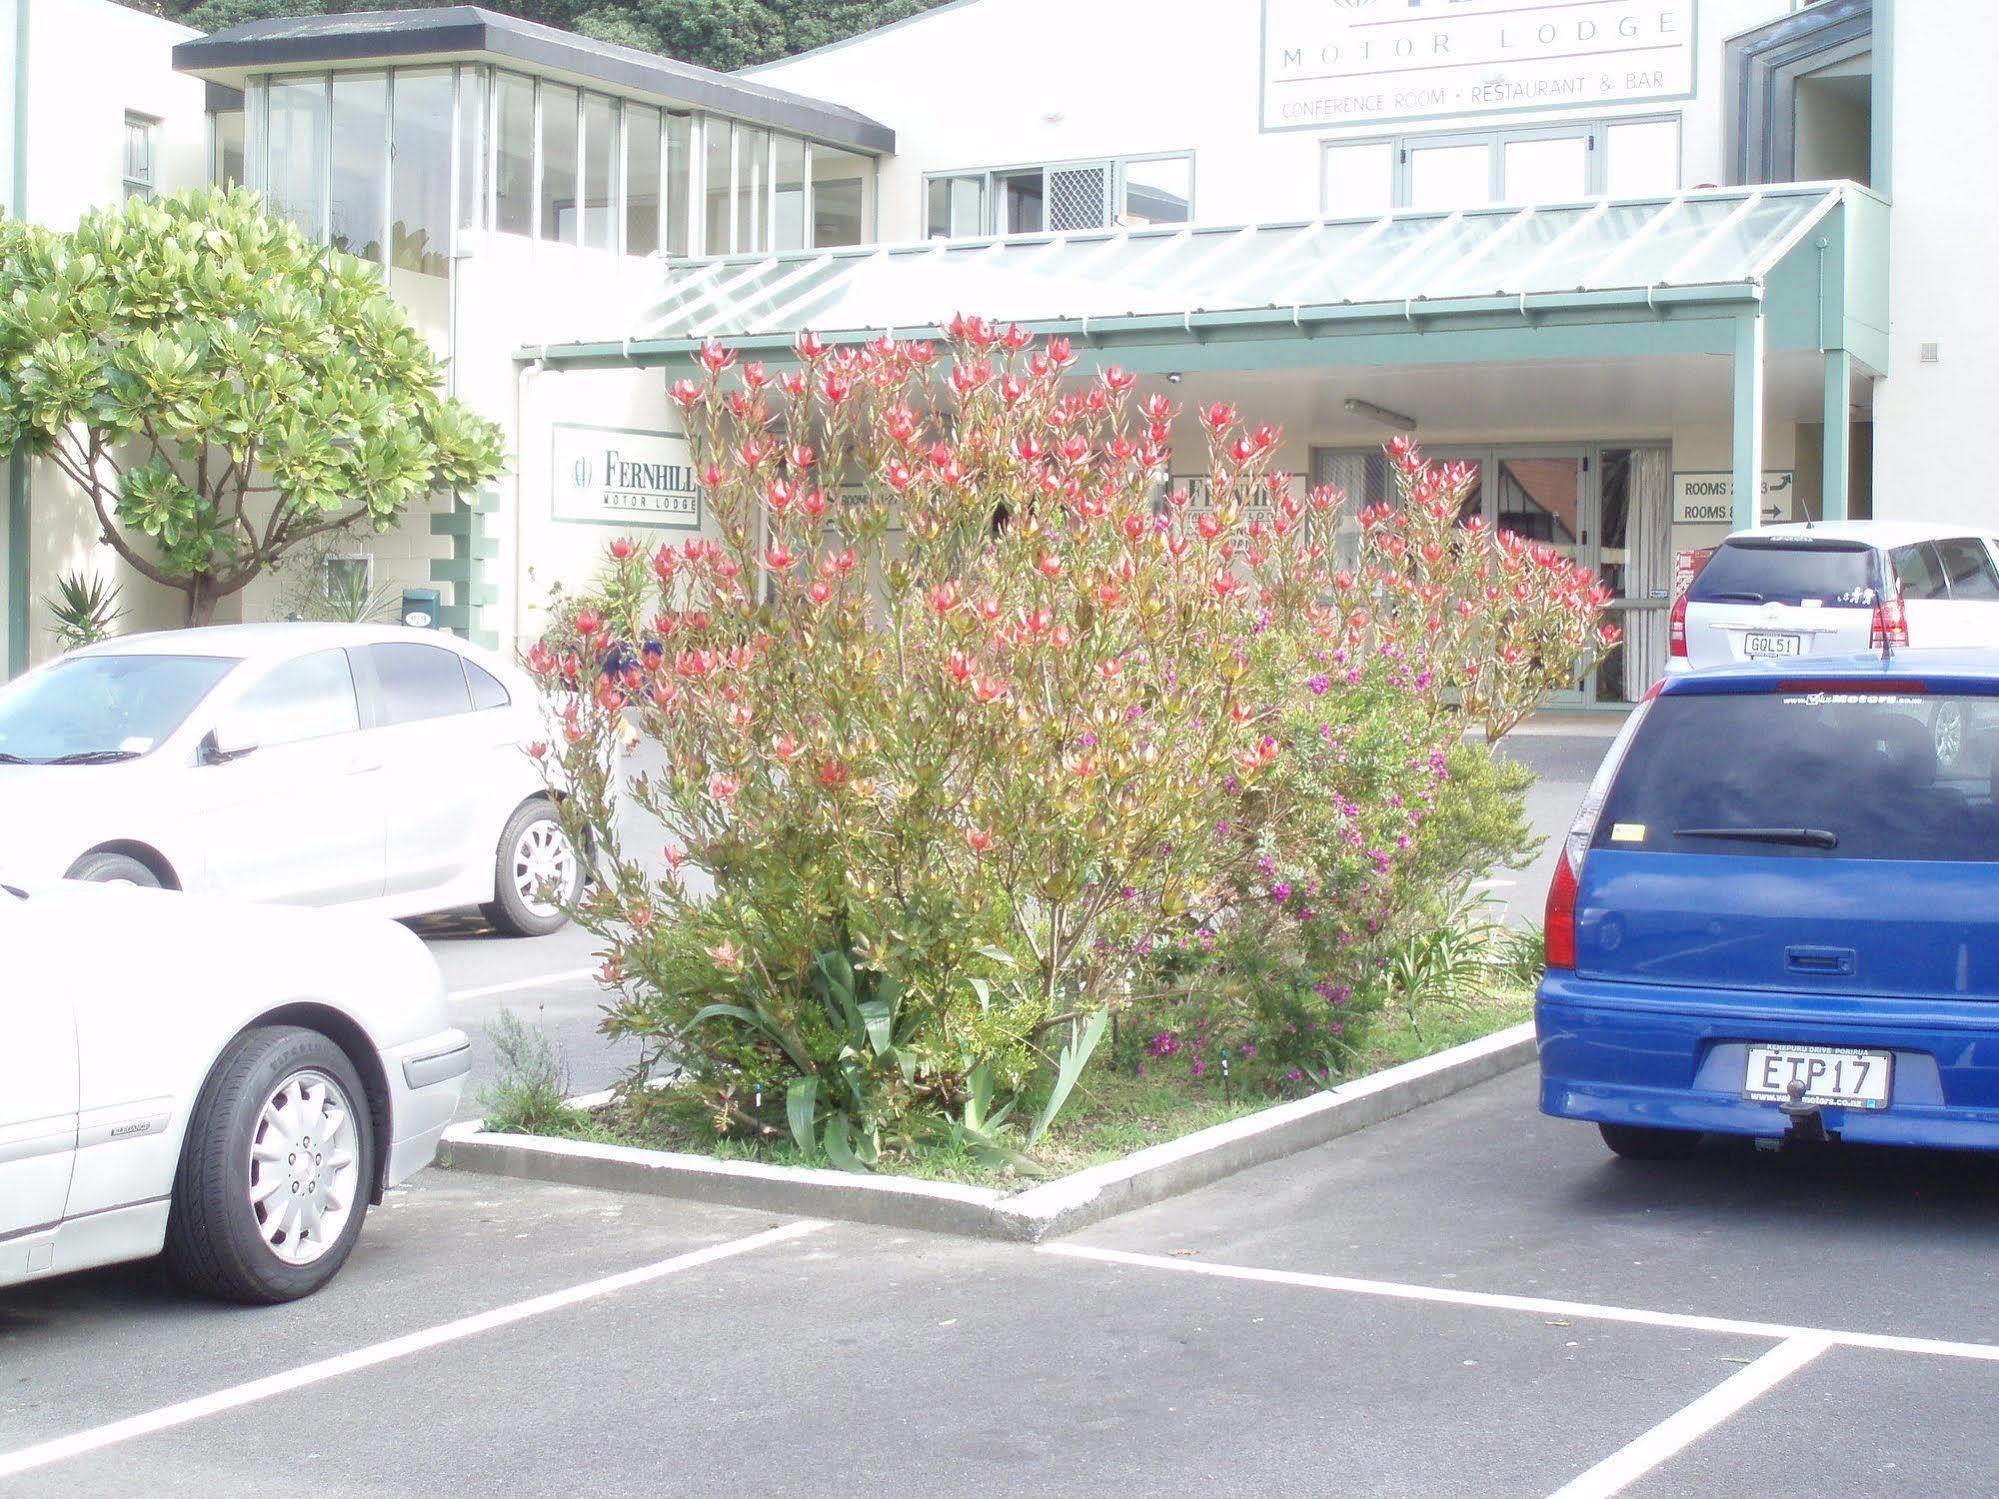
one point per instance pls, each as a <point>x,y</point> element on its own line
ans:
<point>466,570</point>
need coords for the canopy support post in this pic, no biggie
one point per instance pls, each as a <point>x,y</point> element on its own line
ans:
<point>1838,434</point>
<point>1748,469</point>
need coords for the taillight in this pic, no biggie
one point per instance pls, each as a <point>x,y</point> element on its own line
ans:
<point>1558,926</point>
<point>1890,627</point>
<point>1676,633</point>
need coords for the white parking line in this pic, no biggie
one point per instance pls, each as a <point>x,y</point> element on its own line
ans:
<point>96,1438</point>
<point>513,986</point>
<point>1538,1305</point>
<point>1634,1460</point>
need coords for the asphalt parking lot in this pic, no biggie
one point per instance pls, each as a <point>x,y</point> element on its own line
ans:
<point>1466,1300</point>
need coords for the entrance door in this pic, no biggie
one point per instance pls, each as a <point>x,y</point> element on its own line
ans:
<point>1544,494</point>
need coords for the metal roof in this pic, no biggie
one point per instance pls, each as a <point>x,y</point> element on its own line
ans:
<point>1657,252</point>
<point>289,43</point>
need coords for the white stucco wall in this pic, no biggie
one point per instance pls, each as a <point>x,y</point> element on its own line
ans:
<point>987,83</point>
<point>1944,225</point>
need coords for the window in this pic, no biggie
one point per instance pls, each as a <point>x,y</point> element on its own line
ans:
<point>788,180</point>
<point>471,147</point>
<point>141,149</point>
<point>295,177</point>
<point>752,188</point>
<point>419,682</point>
<point>420,172</point>
<point>488,691</point>
<point>600,173</point>
<point>1156,192</point>
<point>679,187</point>
<point>513,155</point>
<point>841,182</point>
<point>97,704</point>
<point>1751,570</point>
<point>360,164</point>
<point>1969,567</point>
<point>1537,164</point>
<point>642,180</point>
<point>557,218</point>
<point>311,697</point>
<point>718,222</point>
<point>1060,197</point>
<point>225,147</point>
<point>1919,573</point>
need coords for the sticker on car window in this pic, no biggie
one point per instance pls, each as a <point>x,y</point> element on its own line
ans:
<point>137,745</point>
<point>1627,832</point>
<point>1861,596</point>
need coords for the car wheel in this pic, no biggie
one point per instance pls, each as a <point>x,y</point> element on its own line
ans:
<point>112,869</point>
<point>276,1171</point>
<point>1947,732</point>
<point>1635,1142</point>
<point>538,874</point>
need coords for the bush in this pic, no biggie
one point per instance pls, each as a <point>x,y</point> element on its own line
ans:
<point>957,719</point>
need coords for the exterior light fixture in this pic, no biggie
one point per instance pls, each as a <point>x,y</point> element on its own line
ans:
<point>1172,377</point>
<point>1380,414</point>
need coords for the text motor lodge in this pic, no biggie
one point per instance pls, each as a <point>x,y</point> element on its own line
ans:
<point>634,484</point>
<point>1499,42</point>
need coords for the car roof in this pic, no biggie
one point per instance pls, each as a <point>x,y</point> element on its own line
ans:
<point>264,641</point>
<point>1976,670</point>
<point>1880,533</point>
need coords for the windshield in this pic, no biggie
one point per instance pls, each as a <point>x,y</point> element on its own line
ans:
<point>1819,772</point>
<point>103,707</point>
<point>1834,575</point>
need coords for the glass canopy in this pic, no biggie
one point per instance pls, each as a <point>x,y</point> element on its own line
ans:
<point>1407,260</point>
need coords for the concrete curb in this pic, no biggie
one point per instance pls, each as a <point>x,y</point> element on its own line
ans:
<point>1057,1207</point>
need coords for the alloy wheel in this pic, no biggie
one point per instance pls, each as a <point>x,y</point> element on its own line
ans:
<point>544,867</point>
<point>303,1170</point>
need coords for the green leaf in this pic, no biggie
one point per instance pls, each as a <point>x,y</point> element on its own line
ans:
<point>801,1103</point>
<point>879,1018</point>
<point>839,1144</point>
<point>998,954</point>
<point>761,1023</point>
<point>1075,1056</point>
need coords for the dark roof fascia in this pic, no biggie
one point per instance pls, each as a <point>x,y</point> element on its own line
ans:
<point>390,36</point>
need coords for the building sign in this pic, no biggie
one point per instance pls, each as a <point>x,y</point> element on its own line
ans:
<point>1360,62</point>
<point>620,476</point>
<point>1709,499</point>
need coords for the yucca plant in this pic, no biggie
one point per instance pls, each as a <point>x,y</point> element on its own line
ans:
<point>84,609</point>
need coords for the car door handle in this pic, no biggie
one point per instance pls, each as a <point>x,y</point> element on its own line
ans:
<point>1830,962</point>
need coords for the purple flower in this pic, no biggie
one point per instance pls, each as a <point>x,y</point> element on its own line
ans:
<point>1164,1044</point>
<point>1319,684</point>
<point>1280,893</point>
<point>1295,1075</point>
<point>1248,1050</point>
<point>1198,1070</point>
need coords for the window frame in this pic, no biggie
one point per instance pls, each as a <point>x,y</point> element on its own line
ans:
<point>1495,139</point>
<point>149,130</point>
<point>1114,167</point>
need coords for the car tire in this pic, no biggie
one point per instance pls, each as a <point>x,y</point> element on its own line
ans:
<point>257,1120</point>
<point>112,869</point>
<point>533,848</point>
<point>1636,1142</point>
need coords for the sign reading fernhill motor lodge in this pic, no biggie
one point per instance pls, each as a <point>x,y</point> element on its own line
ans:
<point>620,476</point>
<point>1351,62</point>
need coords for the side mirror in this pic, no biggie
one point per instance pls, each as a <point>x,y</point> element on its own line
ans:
<point>230,739</point>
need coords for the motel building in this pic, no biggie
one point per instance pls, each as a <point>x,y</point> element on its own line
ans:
<point>1653,268</point>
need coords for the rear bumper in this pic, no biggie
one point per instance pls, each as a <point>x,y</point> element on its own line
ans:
<point>1675,1059</point>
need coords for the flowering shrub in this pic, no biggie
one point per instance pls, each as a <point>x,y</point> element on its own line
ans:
<point>959,716</point>
<point>946,717</point>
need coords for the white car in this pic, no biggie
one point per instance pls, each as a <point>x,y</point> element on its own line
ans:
<point>1837,589</point>
<point>229,1084</point>
<point>374,766</point>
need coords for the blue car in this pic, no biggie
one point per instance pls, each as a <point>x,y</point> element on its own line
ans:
<point>1777,915</point>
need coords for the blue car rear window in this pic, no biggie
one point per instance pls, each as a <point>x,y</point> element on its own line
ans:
<point>1812,774</point>
<point>1837,575</point>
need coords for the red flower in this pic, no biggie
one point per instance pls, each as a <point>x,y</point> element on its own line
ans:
<point>623,548</point>
<point>587,623</point>
<point>785,748</point>
<point>808,346</point>
<point>832,775</point>
<point>686,393</point>
<point>1049,564</point>
<point>979,839</point>
<point>722,788</point>
<point>820,592</point>
<point>779,558</point>
<point>714,358</point>
<point>538,750</point>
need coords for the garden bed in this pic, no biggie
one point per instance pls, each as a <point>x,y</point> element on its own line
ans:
<point>1126,1141</point>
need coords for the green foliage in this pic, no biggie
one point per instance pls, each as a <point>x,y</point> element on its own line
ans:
<point>723,34</point>
<point>83,610</point>
<point>221,387</point>
<point>310,588</point>
<point>530,1094</point>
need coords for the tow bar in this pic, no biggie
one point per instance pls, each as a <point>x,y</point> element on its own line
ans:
<point>1807,1125</point>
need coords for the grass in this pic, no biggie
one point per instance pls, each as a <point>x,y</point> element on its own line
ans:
<point>1110,1115</point>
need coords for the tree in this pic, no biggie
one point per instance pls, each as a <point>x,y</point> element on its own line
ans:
<point>221,387</point>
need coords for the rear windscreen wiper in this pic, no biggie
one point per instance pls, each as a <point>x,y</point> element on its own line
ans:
<point>7,759</point>
<point>1734,598</point>
<point>1796,837</point>
<point>93,757</point>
